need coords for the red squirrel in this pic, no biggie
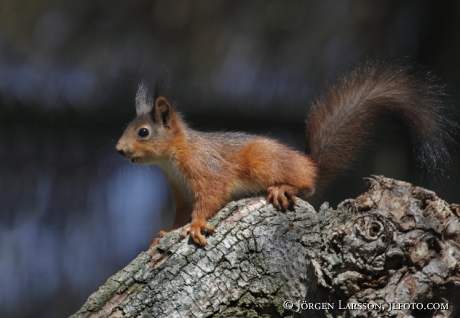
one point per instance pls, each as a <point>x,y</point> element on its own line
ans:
<point>207,170</point>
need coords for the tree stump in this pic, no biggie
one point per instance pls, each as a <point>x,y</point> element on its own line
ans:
<point>392,252</point>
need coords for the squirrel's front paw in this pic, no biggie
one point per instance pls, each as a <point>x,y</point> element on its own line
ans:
<point>163,233</point>
<point>194,229</point>
<point>281,196</point>
<point>160,235</point>
<point>155,241</point>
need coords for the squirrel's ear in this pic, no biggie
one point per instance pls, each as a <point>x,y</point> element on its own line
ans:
<point>143,99</point>
<point>161,111</point>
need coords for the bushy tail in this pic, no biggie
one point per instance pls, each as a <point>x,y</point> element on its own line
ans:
<point>341,122</point>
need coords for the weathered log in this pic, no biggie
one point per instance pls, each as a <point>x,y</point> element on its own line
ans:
<point>392,252</point>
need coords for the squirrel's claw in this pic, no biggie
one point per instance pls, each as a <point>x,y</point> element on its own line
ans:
<point>281,196</point>
<point>194,229</point>
<point>185,230</point>
<point>155,241</point>
<point>162,233</point>
<point>158,238</point>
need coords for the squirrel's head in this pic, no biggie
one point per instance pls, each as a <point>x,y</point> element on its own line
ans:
<point>150,137</point>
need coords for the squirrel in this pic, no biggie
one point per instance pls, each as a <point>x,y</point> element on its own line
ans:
<point>206,170</point>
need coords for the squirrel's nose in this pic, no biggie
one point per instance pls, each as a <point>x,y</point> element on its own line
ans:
<point>120,150</point>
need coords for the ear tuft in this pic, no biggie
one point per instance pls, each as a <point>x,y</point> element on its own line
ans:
<point>162,111</point>
<point>144,100</point>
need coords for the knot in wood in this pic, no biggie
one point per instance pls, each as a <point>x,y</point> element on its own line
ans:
<point>362,243</point>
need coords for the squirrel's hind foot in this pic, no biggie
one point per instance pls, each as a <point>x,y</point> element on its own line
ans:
<point>281,196</point>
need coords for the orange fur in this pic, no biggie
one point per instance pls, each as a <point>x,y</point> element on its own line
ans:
<point>206,170</point>
<point>203,174</point>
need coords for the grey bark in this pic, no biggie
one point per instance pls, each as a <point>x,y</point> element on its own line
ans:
<point>396,245</point>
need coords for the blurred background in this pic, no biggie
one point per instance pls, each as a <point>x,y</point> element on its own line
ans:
<point>72,212</point>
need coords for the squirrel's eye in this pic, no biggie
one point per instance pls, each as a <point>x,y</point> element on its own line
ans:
<point>143,132</point>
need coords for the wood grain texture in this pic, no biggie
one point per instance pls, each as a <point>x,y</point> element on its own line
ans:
<point>395,244</point>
